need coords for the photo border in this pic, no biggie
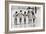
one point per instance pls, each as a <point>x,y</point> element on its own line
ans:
<point>22,2</point>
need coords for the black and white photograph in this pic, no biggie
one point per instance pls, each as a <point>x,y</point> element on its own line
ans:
<point>23,17</point>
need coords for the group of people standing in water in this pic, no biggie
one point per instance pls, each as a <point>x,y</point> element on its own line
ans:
<point>26,17</point>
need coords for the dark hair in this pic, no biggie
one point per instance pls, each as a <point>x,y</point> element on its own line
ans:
<point>29,8</point>
<point>20,10</point>
<point>25,12</point>
<point>16,11</point>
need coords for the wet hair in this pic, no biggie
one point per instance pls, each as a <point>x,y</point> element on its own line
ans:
<point>20,10</point>
<point>24,12</point>
<point>28,8</point>
<point>16,11</point>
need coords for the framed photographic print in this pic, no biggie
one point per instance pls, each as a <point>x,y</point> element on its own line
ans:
<point>24,16</point>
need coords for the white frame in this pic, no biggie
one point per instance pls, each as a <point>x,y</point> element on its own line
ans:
<point>31,28</point>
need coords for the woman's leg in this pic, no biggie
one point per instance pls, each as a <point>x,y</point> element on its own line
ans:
<point>33,20</point>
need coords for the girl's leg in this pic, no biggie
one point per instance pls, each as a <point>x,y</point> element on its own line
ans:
<point>33,20</point>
